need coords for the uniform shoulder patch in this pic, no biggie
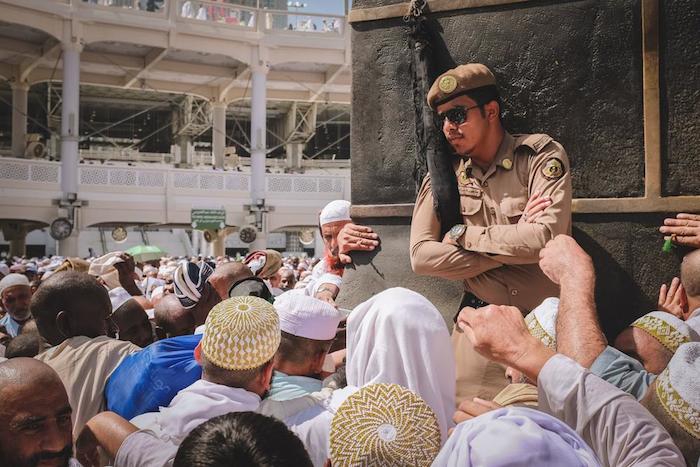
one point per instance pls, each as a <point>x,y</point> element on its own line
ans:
<point>553,169</point>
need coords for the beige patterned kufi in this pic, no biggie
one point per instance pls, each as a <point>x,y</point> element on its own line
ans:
<point>678,388</point>
<point>384,424</point>
<point>670,331</point>
<point>542,321</point>
<point>241,333</point>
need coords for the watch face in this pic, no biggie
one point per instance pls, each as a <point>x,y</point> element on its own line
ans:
<point>61,228</point>
<point>457,230</point>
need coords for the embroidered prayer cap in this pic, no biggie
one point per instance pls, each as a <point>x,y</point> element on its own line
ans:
<point>13,280</point>
<point>241,333</point>
<point>694,324</point>
<point>335,211</point>
<point>118,296</point>
<point>4,269</point>
<point>670,331</point>
<point>304,316</point>
<point>678,388</point>
<point>457,81</point>
<point>384,425</point>
<point>190,280</point>
<point>541,322</point>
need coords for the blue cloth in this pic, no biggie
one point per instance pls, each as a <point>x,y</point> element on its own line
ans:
<point>285,387</point>
<point>149,379</point>
<point>11,326</point>
<point>623,372</point>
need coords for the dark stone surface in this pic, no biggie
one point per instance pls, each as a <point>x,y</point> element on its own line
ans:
<point>680,94</point>
<point>390,266</point>
<point>569,69</point>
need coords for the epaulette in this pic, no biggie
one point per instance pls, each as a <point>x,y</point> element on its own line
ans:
<point>535,142</point>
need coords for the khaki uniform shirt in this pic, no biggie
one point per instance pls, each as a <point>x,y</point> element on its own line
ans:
<point>497,257</point>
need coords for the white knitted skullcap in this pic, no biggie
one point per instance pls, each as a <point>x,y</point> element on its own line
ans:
<point>384,425</point>
<point>678,388</point>
<point>304,316</point>
<point>13,280</point>
<point>694,324</point>
<point>241,333</point>
<point>118,296</point>
<point>4,269</point>
<point>338,210</point>
<point>542,322</point>
<point>670,331</point>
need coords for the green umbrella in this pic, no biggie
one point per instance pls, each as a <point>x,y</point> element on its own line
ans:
<point>143,253</point>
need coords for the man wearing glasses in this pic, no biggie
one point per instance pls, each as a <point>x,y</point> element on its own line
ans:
<point>514,196</point>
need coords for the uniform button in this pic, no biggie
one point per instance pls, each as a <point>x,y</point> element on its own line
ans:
<point>521,206</point>
<point>469,244</point>
<point>514,292</point>
<point>485,184</point>
<point>492,211</point>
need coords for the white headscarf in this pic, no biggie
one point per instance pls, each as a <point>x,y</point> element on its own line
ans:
<point>399,337</point>
<point>515,436</point>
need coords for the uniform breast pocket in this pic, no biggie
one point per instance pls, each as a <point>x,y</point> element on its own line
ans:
<point>471,205</point>
<point>512,208</point>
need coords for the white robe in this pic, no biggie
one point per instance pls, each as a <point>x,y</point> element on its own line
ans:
<point>398,337</point>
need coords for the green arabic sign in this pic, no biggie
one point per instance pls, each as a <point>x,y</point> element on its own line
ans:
<point>208,219</point>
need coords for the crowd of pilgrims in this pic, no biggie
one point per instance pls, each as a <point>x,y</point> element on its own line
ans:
<point>202,361</point>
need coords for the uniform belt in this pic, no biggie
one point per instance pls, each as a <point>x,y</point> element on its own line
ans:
<point>470,300</point>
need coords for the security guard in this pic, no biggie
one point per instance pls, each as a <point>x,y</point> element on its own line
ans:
<point>515,195</point>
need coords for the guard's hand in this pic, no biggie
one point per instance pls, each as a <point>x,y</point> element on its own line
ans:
<point>448,239</point>
<point>684,229</point>
<point>563,258</point>
<point>469,409</point>
<point>534,208</point>
<point>353,237</point>
<point>497,332</point>
<point>673,299</point>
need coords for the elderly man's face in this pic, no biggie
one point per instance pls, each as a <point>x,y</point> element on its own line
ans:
<point>15,301</point>
<point>287,280</point>
<point>330,232</point>
<point>638,344</point>
<point>36,428</point>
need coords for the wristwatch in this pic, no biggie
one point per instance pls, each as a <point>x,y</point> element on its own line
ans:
<point>457,231</point>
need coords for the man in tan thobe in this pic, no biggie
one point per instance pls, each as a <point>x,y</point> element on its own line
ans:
<point>515,195</point>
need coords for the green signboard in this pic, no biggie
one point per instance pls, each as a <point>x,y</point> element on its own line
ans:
<point>208,219</point>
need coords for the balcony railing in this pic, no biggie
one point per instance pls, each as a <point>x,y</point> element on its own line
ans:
<point>254,15</point>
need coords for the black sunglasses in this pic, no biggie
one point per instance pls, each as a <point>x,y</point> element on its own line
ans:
<point>456,115</point>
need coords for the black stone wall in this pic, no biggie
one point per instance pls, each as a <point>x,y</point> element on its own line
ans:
<point>572,69</point>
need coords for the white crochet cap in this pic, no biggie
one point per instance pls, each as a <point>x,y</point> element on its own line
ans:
<point>13,280</point>
<point>542,321</point>
<point>335,211</point>
<point>118,296</point>
<point>304,316</point>
<point>666,328</point>
<point>4,269</point>
<point>678,388</point>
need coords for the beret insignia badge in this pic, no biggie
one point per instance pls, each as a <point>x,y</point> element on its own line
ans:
<point>447,84</point>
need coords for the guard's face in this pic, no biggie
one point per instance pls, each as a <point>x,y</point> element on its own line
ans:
<point>466,135</point>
